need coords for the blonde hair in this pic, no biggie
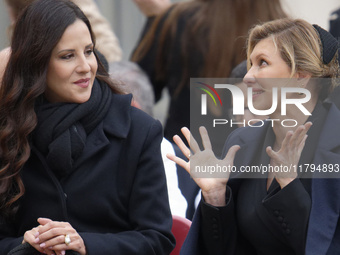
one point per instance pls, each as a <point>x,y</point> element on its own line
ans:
<point>300,47</point>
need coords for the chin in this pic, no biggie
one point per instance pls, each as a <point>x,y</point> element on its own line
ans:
<point>260,106</point>
<point>81,100</point>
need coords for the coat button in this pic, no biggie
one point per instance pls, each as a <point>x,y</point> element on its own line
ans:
<point>65,195</point>
<point>276,213</point>
<point>214,219</point>
<point>280,218</point>
<point>288,231</point>
<point>284,225</point>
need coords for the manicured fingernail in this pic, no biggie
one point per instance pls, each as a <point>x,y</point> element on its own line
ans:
<point>42,245</point>
<point>37,240</point>
<point>63,252</point>
<point>37,234</point>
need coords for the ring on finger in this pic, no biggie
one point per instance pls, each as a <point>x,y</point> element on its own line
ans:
<point>67,239</point>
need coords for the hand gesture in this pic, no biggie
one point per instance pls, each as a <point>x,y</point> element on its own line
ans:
<point>213,189</point>
<point>54,237</point>
<point>288,156</point>
<point>152,7</point>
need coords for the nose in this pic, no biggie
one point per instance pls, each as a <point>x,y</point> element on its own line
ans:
<point>249,78</point>
<point>83,65</point>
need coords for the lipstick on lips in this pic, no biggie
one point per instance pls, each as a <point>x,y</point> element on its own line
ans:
<point>256,92</point>
<point>83,83</point>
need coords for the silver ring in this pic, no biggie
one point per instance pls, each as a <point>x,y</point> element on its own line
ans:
<point>189,155</point>
<point>67,239</point>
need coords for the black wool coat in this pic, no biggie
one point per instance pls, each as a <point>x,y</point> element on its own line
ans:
<point>116,196</point>
<point>215,230</point>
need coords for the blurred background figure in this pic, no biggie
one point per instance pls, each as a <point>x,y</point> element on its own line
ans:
<point>201,39</point>
<point>334,23</point>
<point>14,8</point>
<point>106,40</point>
<point>334,29</point>
<point>136,82</point>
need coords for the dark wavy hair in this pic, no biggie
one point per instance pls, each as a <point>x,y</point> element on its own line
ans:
<point>38,30</point>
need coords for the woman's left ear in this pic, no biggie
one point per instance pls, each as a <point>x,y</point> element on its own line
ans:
<point>303,79</point>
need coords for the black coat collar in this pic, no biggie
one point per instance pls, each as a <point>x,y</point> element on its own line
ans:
<point>118,119</point>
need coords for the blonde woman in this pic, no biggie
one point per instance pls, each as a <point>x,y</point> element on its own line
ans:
<point>281,212</point>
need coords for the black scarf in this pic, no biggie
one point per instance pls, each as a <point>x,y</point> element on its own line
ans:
<point>62,128</point>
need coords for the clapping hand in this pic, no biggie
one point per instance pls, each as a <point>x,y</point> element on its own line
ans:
<point>213,189</point>
<point>289,154</point>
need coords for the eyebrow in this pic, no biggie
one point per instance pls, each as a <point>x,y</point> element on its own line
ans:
<point>72,50</point>
<point>259,56</point>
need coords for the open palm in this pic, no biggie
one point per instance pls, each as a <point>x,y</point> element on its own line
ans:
<point>212,184</point>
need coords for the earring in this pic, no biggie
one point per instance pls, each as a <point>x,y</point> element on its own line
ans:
<point>300,94</point>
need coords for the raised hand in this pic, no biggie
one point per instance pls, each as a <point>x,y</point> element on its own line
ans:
<point>152,7</point>
<point>213,188</point>
<point>288,156</point>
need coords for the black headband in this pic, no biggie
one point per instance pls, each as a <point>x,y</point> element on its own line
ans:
<point>329,44</point>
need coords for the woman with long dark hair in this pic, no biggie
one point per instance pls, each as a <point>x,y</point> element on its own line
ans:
<point>80,169</point>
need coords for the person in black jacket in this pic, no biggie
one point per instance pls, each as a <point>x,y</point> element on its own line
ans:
<point>334,29</point>
<point>334,24</point>
<point>280,192</point>
<point>80,169</point>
